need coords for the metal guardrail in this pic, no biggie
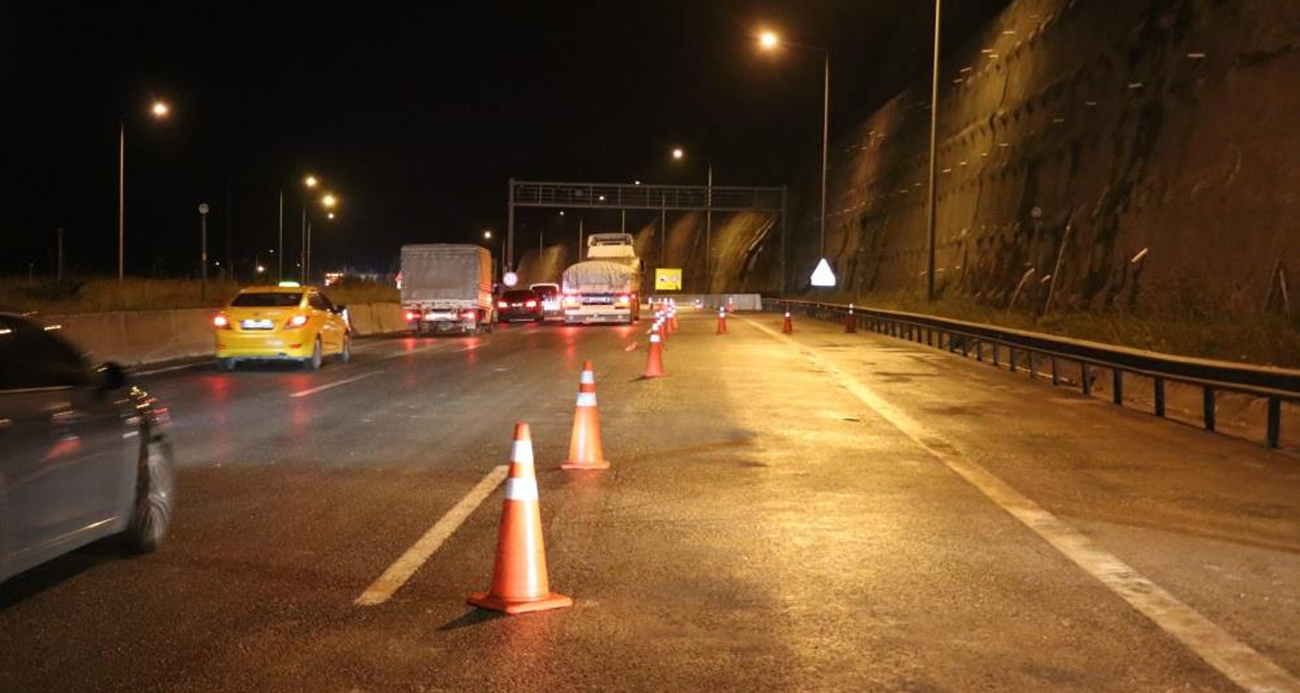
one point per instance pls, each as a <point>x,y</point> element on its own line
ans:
<point>1274,385</point>
<point>719,198</point>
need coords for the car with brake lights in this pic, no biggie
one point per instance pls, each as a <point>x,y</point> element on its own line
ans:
<point>520,304</point>
<point>286,322</point>
<point>550,296</point>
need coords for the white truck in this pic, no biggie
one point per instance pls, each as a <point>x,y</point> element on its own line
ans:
<point>447,287</point>
<point>606,287</point>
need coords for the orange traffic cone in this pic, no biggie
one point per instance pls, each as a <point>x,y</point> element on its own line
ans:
<point>722,321</point>
<point>519,582</point>
<point>788,326</point>
<point>654,367</point>
<point>731,307</point>
<point>663,330</point>
<point>850,321</point>
<point>584,445</point>
<point>672,318</point>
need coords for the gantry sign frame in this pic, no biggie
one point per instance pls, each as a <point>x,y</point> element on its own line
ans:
<point>654,198</point>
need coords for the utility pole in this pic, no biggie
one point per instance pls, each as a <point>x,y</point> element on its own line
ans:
<point>60,260</point>
<point>279,253</point>
<point>934,134</point>
<point>203,245</point>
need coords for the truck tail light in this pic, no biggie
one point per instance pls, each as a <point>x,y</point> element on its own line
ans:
<point>573,300</point>
<point>296,321</point>
<point>622,301</point>
<point>221,322</point>
<point>412,316</point>
<point>469,314</point>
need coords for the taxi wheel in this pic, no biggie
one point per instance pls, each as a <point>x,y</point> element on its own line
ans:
<point>313,363</point>
<point>346,354</point>
<point>226,364</point>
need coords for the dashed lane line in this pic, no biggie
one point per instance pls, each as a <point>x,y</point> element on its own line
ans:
<point>382,589</point>
<point>336,383</point>
<point>1241,663</point>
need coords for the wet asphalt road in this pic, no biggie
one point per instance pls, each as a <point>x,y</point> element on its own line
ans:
<point>783,515</point>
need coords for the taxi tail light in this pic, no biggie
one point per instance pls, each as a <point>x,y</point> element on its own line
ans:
<point>530,304</point>
<point>296,321</point>
<point>622,300</point>
<point>221,322</point>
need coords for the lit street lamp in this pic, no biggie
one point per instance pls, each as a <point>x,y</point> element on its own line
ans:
<point>678,155</point>
<point>159,110</point>
<point>308,182</point>
<point>769,41</point>
<point>328,201</point>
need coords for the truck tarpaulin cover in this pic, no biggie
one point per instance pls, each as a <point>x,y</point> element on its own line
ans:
<point>597,276</point>
<point>443,271</point>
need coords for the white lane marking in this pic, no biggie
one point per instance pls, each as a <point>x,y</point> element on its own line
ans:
<point>408,352</point>
<point>404,567</point>
<point>1233,658</point>
<point>169,369</point>
<point>336,383</point>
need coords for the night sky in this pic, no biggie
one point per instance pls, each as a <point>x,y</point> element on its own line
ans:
<point>415,118</point>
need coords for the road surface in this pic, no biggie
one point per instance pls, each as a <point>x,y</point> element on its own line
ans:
<point>818,512</point>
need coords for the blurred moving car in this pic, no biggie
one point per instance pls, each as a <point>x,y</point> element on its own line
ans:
<point>83,455</point>
<point>287,322</point>
<point>520,304</point>
<point>549,295</point>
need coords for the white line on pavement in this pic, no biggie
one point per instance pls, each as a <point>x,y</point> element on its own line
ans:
<point>404,567</point>
<point>1233,658</point>
<point>169,369</point>
<point>336,383</point>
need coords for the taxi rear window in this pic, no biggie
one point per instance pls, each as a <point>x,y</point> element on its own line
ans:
<point>268,299</point>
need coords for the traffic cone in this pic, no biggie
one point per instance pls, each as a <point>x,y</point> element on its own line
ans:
<point>654,367</point>
<point>584,445</point>
<point>850,321</point>
<point>519,582</point>
<point>672,318</point>
<point>788,326</point>
<point>722,321</point>
<point>731,307</point>
<point>663,330</point>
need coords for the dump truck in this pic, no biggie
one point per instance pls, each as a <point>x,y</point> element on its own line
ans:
<point>605,287</point>
<point>447,287</point>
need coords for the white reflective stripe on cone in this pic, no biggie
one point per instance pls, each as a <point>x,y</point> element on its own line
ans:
<point>588,378</point>
<point>586,399</point>
<point>522,452</point>
<point>654,338</point>
<point>521,489</point>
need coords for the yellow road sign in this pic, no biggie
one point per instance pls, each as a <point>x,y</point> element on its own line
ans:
<point>668,279</point>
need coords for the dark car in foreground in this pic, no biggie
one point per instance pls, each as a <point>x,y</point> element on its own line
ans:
<point>520,304</point>
<point>83,455</point>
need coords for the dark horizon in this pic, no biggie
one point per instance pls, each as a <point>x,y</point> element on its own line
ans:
<point>415,121</point>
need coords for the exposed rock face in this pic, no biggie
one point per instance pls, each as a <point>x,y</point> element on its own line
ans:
<point>1083,133</point>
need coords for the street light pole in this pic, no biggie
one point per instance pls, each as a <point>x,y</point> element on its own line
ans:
<point>826,118</point>
<point>121,201</point>
<point>279,255</point>
<point>203,246</point>
<point>708,231</point>
<point>931,211</point>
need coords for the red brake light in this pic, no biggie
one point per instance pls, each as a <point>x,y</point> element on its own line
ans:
<point>502,304</point>
<point>530,304</point>
<point>469,314</point>
<point>411,316</point>
<point>296,321</point>
<point>622,300</point>
<point>572,300</point>
<point>221,321</point>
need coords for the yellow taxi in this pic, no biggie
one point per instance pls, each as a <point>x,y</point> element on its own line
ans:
<point>287,322</point>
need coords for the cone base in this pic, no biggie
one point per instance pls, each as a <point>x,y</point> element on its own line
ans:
<point>647,376</point>
<point>601,465</point>
<point>484,600</point>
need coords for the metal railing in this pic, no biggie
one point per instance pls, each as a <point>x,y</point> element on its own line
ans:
<point>1273,385</point>
<point>719,198</point>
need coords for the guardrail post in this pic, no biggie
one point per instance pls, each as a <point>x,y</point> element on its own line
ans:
<point>964,353</point>
<point>979,350</point>
<point>995,354</point>
<point>1011,359</point>
<point>1056,373</point>
<point>1159,387</point>
<point>1207,408</point>
<point>1033,365</point>
<point>1085,378</point>
<point>929,337</point>
<point>1117,386</point>
<point>1274,422</point>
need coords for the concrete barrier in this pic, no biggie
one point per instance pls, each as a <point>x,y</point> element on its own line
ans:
<point>138,337</point>
<point>714,301</point>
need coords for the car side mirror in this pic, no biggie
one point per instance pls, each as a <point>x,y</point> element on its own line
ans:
<point>111,376</point>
